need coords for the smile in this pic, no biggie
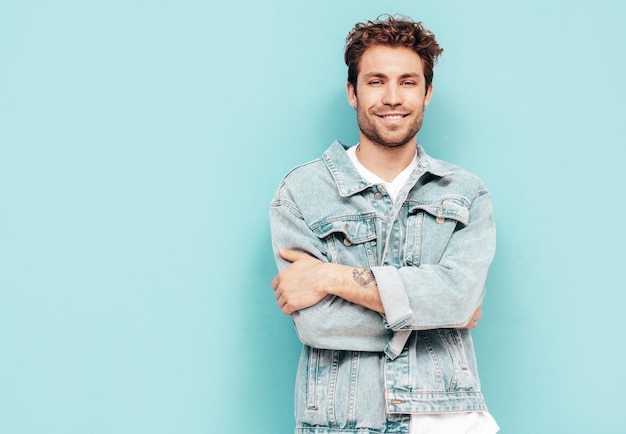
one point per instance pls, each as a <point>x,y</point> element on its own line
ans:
<point>392,117</point>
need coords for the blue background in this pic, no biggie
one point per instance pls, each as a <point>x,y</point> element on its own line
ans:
<point>141,143</point>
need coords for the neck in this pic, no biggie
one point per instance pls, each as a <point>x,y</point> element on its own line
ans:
<point>385,162</point>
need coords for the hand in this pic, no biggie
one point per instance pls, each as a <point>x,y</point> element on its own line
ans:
<point>474,321</point>
<point>301,284</point>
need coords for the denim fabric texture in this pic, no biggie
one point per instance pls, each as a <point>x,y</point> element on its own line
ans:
<point>430,250</point>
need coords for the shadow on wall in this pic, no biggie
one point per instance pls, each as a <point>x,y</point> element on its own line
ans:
<point>270,344</point>
<point>337,121</point>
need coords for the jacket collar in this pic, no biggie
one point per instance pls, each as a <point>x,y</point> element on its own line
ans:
<point>350,182</point>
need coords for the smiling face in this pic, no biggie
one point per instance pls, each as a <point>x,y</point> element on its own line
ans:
<point>390,96</point>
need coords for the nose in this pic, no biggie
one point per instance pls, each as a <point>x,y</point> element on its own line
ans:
<point>392,95</point>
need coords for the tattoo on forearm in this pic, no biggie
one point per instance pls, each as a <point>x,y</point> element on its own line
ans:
<point>363,276</point>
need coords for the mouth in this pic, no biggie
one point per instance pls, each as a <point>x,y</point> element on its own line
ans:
<point>392,116</point>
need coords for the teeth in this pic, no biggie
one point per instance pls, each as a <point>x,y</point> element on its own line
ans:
<point>393,117</point>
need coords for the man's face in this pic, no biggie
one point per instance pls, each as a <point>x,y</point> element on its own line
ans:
<point>390,96</point>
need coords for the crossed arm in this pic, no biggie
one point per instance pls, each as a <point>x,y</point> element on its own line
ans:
<point>308,280</point>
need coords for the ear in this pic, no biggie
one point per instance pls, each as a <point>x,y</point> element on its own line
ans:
<point>429,94</point>
<point>351,94</point>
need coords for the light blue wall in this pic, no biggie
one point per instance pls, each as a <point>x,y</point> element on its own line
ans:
<point>141,142</point>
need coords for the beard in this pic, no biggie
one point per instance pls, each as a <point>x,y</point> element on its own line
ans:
<point>386,137</point>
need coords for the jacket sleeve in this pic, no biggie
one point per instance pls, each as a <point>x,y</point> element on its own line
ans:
<point>440,294</point>
<point>332,323</point>
<point>443,294</point>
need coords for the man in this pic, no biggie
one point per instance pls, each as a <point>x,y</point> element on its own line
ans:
<point>383,254</point>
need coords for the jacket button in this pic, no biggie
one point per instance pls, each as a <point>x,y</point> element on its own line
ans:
<point>378,195</point>
<point>440,219</point>
<point>347,242</point>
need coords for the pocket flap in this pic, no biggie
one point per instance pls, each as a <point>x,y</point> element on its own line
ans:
<point>447,207</point>
<point>356,231</point>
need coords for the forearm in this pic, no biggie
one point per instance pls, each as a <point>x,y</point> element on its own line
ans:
<point>442,291</point>
<point>336,323</point>
<point>356,285</point>
<point>333,322</point>
<point>429,297</point>
<point>439,301</point>
<point>350,310</point>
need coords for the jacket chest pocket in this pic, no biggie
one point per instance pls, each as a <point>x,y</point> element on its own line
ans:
<point>430,226</point>
<point>349,241</point>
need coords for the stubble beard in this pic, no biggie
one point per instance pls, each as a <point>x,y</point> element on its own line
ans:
<point>388,138</point>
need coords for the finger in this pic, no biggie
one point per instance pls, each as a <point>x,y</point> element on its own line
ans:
<point>286,309</point>
<point>292,255</point>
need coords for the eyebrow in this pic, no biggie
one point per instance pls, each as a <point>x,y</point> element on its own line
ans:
<point>381,75</point>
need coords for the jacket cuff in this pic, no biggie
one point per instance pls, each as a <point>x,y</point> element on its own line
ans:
<point>396,343</point>
<point>395,300</point>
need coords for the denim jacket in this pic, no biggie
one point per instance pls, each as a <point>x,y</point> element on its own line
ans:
<point>430,251</point>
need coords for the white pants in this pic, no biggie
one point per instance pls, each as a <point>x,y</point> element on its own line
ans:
<point>479,422</point>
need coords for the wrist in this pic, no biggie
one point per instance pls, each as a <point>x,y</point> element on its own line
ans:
<point>334,277</point>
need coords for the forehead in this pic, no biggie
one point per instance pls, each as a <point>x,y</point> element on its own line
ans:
<point>390,61</point>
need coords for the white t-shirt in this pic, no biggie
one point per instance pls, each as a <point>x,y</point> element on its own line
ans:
<point>475,422</point>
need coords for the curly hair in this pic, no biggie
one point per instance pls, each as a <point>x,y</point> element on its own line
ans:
<point>392,31</point>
